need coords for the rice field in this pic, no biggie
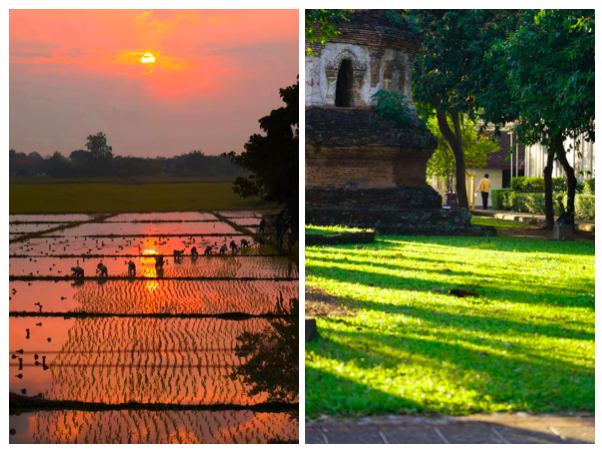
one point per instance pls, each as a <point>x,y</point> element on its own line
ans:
<point>206,267</point>
<point>143,229</point>
<point>152,427</point>
<point>207,347</point>
<point>61,246</point>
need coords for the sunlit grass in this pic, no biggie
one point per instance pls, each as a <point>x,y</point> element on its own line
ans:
<point>328,230</point>
<point>488,221</point>
<point>525,342</point>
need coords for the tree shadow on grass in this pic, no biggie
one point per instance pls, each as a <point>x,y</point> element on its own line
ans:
<point>564,298</point>
<point>473,323</point>
<point>503,244</point>
<point>481,276</point>
<point>334,394</point>
<point>518,382</point>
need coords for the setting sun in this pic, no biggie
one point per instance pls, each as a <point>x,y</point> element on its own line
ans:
<point>148,58</point>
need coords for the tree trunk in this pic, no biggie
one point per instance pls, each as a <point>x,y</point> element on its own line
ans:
<point>549,200</point>
<point>454,141</point>
<point>570,177</point>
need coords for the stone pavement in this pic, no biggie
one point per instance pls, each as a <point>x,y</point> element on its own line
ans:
<point>588,226</point>
<point>518,428</point>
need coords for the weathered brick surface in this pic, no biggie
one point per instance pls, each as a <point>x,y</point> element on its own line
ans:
<point>373,28</point>
<point>352,148</point>
<point>397,220</point>
<point>382,198</point>
<point>339,126</point>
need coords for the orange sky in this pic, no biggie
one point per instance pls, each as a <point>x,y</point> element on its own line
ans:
<point>78,72</point>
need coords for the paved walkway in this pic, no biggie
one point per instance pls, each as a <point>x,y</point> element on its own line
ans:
<point>474,429</point>
<point>532,219</point>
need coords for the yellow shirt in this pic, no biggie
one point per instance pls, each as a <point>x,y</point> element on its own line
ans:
<point>484,185</point>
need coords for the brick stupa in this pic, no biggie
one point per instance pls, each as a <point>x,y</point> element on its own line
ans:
<point>361,171</point>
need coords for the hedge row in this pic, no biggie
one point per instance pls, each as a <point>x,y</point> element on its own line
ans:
<point>589,187</point>
<point>585,206</point>
<point>509,200</point>
<point>534,184</point>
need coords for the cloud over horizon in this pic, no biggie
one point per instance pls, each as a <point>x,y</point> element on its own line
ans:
<point>77,72</point>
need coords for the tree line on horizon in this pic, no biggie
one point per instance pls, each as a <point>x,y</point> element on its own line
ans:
<point>98,160</point>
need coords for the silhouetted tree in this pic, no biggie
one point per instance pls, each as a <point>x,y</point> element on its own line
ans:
<point>548,64</point>
<point>80,157</point>
<point>59,166</point>
<point>273,159</point>
<point>97,145</point>
<point>272,356</point>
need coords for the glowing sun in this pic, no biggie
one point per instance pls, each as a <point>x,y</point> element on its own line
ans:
<point>148,58</point>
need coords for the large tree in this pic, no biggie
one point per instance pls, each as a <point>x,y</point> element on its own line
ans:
<point>550,77</point>
<point>449,72</point>
<point>97,145</point>
<point>273,160</point>
<point>476,147</point>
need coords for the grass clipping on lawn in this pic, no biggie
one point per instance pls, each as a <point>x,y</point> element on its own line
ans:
<point>524,343</point>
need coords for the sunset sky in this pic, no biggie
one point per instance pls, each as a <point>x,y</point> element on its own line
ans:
<point>75,73</point>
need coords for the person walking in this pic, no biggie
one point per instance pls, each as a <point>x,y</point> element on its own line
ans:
<point>484,187</point>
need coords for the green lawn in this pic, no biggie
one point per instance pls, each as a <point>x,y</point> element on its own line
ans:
<point>328,230</point>
<point>112,197</point>
<point>488,221</point>
<point>524,343</point>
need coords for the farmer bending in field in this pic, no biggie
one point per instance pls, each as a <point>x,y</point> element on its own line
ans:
<point>159,262</point>
<point>234,247</point>
<point>77,272</point>
<point>193,252</point>
<point>223,249</point>
<point>131,269</point>
<point>102,270</point>
<point>177,255</point>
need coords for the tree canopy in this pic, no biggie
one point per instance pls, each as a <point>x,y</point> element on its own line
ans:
<point>273,160</point>
<point>477,149</point>
<point>97,145</point>
<point>548,63</point>
<point>450,72</point>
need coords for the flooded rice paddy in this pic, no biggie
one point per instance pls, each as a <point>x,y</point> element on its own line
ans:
<point>202,267</point>
<point>154,427</point>
<point>151,229</point>
<point>55,218</point>
<point>56,245</point>
<point>203,351</point>
<point>24,228</point>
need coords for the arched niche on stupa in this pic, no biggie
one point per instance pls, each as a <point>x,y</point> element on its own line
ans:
<point>396,72</point>
<point>346,76</point>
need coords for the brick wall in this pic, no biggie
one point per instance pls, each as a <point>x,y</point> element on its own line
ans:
<point>368,167</point>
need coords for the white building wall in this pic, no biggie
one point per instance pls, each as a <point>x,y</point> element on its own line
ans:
<point>495,176</point>
<point>583,160</point>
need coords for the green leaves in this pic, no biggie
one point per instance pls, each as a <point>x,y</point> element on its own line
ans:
<point>320,24</point>
<point>393,108</point>
<point>476,150</point>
